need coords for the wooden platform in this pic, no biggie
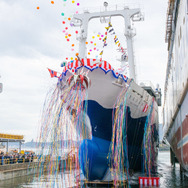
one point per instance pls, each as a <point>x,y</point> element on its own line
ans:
<point>110,184</point>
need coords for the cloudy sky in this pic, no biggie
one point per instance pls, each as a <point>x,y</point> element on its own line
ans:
<point>33,39</point>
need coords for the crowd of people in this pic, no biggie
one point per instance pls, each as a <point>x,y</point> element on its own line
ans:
<point>16,158</point>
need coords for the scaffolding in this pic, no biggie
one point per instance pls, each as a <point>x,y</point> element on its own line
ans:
<point>6,138</point>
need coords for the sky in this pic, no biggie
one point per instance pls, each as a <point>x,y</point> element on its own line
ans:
<point>32,40</point>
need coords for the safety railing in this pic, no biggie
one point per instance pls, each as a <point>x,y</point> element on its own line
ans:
<point>8,161</point>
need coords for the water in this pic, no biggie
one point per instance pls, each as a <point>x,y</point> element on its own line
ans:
<point>169,177</point>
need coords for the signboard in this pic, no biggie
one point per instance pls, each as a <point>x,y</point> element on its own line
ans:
<point>1,87</point>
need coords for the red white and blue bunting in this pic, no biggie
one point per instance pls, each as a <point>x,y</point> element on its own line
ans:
<point>91,64</point>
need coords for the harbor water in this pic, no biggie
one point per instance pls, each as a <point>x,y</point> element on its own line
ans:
<point>169,177</point>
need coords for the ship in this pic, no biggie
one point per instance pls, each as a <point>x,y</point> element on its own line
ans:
<point>175,107</point>
<point>111,95</point>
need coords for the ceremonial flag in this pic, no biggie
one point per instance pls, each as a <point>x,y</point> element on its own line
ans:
<point>52,73</point>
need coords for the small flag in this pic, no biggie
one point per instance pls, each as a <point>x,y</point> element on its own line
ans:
<point>52,73</point>
<point>101,53</point>
<point>111,30</point>
<point>145,108</point>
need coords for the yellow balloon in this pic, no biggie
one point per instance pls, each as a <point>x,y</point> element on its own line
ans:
<point>95,44</point>
<point>71,58</point>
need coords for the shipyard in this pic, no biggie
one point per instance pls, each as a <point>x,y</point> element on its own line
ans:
<point>94,94</point>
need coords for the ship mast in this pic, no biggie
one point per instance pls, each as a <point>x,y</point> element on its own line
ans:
<point>82,20</point>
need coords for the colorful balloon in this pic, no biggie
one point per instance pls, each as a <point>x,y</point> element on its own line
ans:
<point>52,2</point>
<point>38,8</point>
<point>63,64</point>
<point>62,14</point>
